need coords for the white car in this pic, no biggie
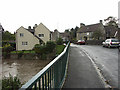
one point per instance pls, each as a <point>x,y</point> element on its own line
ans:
<point>111,43</point>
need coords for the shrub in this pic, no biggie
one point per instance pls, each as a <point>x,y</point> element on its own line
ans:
<point>43,56</point>
<point>59,41</point>
<point>39,49</point>
<point>50,46</point>
<point>20,54</point>
<point>11,83</point>
<point>5,55</point>
<point>6,51</point>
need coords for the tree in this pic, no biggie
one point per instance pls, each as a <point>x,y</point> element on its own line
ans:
<point>82,24</point>
<point>7,36</point>
<point>67,30</point>
<point>111,21</point>
<point>97,34</point>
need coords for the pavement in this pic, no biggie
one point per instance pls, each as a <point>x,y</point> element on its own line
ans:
<point>81,71</point>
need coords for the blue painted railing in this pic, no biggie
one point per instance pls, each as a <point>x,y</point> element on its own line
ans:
<point>50,77</point>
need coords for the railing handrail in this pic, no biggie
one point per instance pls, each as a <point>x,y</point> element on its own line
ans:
<point>38,75</point>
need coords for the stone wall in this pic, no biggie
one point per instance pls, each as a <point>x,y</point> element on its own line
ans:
<point>31,56</point>
<point>94,42</point>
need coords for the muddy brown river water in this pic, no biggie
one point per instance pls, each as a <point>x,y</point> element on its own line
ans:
<point>24,69</point>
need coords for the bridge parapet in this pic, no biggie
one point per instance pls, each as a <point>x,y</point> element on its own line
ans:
<point>51,76</point>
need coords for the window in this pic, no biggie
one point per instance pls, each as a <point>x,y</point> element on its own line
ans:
<point>107,41</point>
<point>87,33</point>
<point>24,43</point>
<point>41,35</point>
<point>21,34</point>
<point>115,40</point>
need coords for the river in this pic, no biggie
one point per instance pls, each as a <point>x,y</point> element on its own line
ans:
<point>24,69</point>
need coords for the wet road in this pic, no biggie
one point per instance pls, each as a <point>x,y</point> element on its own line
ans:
<point>24,69</point>
<point>82,73</point>
<point>106,59</point>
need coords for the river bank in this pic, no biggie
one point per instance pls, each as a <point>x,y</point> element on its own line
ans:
<point>24,69</point>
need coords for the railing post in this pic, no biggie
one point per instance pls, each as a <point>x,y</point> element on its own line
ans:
<point>43,82</point>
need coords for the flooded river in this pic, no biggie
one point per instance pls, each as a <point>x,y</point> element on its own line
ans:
<point>24,69</point>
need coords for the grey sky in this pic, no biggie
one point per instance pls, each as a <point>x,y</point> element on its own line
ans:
<point>55,14</point>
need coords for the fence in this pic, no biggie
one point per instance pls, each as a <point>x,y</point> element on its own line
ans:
<point>50,77</point>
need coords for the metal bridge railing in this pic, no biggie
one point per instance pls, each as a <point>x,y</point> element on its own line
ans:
<point>50,77</point>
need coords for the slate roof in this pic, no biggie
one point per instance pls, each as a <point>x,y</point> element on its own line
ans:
<point>31,30</point>
<point>90,28</point>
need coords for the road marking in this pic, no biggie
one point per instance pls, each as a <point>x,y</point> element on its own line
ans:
<point>98,71</point>
<point>81,53</point>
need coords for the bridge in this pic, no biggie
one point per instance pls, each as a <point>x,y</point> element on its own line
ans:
<point>59,74</point>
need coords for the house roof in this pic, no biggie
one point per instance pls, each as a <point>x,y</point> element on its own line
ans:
<point>31,30</point>
<point>90,28</point>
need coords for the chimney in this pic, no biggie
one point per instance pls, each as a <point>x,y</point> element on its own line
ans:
<point>29,27</point>
<point>34,26</point>
<point>101,21</point>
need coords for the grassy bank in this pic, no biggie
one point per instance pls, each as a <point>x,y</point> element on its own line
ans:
<point>27,51</point>
<point>59,49</point>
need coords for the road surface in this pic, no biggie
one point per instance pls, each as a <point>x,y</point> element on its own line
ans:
<point>106,60</point>
<point>81,71</point>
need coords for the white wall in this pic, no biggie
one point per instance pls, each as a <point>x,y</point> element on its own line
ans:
<point>28,37</point>
<point>41,29</point>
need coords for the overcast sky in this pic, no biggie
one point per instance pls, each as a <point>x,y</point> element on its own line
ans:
<point>55,14</point>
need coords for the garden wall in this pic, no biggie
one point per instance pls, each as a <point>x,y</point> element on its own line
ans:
<point>32,56</point>
<point>94,42</point>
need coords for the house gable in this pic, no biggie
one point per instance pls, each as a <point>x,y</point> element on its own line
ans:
<point>25,40</point>
<point>42,32</point>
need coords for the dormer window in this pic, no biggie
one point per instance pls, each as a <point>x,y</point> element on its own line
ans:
<point>41,35</point>
<point>21,34</point>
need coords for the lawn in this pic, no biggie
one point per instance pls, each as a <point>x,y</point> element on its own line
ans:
<point>59,49</point>
<point>27,51</point>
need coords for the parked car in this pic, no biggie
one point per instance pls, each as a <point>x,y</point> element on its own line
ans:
<point>81,42</point>
<point>119,46</point>
<point>111,43</point>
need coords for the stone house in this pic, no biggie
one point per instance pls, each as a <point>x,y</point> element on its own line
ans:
<point>85,32</point>
<point>27,38</point>
<point>65,36</point>
<point>55,35</point>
